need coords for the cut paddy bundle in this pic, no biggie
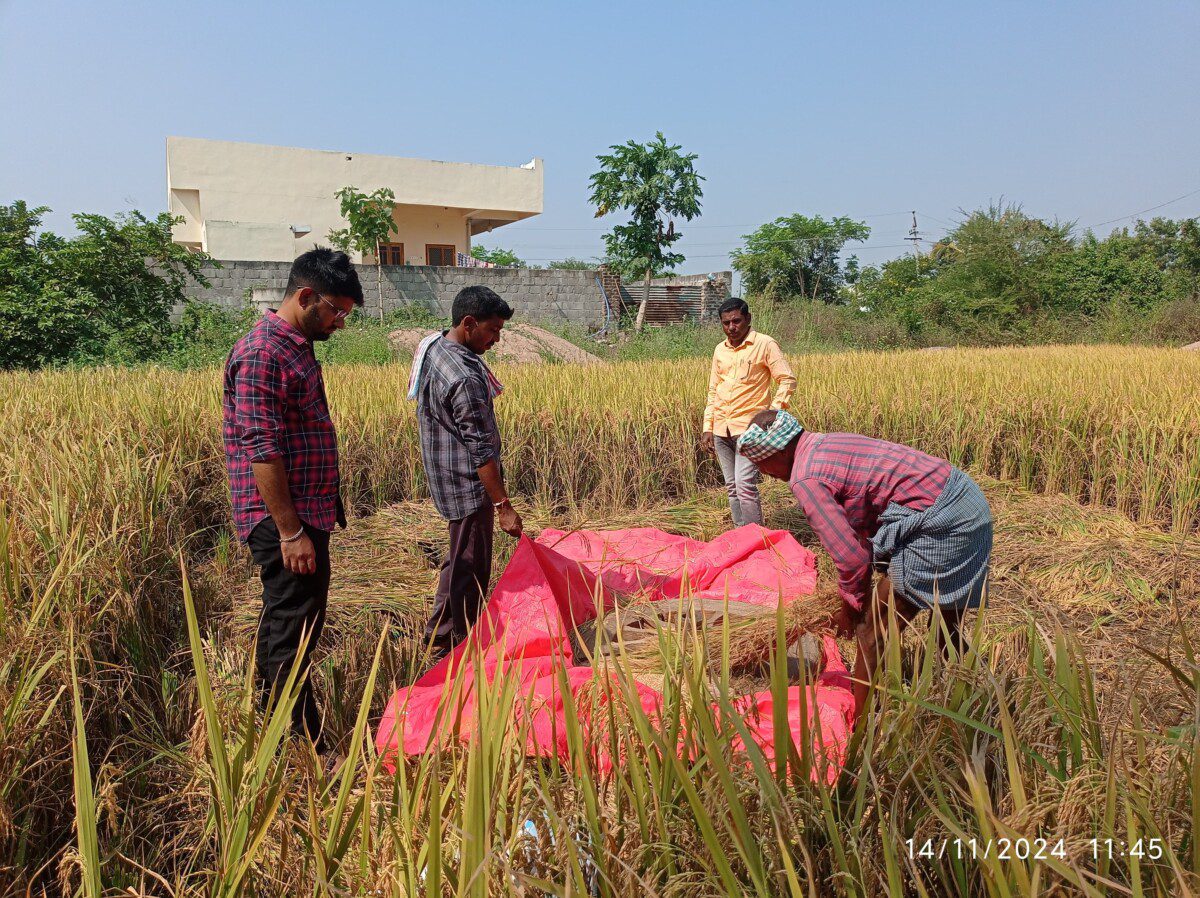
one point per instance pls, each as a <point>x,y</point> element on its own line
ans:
<point>636,628</point>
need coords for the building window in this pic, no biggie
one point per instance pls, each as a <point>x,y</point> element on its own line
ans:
<point>391,254</point>
<point>439,254</point>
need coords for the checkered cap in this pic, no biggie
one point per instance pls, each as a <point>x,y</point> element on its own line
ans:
<point>758,443</point>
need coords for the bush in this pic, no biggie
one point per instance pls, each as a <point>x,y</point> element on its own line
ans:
<point>103,296</point>
<point>363,341</point>
<point>1002,276</point>
<point>1177,321</point>
<point>572,264</point>
<point>205,333</point>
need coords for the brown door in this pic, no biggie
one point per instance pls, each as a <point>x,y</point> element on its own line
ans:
<point>439,254</point>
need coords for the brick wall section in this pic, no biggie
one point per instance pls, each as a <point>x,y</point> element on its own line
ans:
<point>555,296</point>
<point>610,281</point>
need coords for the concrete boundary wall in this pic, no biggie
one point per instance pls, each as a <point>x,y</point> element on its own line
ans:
<point>725,279</point>
<point>554,296</point>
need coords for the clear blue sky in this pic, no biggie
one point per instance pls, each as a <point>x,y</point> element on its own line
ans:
<point>1084,111</point>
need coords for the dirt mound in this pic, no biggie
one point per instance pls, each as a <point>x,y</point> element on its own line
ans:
<point>521,343</point>
<point>1193,347</point>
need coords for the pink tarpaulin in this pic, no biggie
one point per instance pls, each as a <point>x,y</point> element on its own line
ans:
<point>559,581</point>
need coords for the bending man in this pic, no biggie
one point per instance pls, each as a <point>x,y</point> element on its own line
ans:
<point>881,505</point>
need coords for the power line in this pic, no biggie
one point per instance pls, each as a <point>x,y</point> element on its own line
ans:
<point>865,246</point>
<point>1101,224</point>
<point>783,241</point>
<point>1144,211</point>
<point>943,221</point>
<point>708,226</point>
<point>710,255</point>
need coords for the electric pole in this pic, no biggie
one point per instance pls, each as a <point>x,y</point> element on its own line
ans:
<point>914,236</point>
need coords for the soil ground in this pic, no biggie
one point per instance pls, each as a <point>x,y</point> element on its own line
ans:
<point>519,343</point>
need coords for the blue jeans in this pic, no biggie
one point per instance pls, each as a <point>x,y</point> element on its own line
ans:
<point>741,482</point>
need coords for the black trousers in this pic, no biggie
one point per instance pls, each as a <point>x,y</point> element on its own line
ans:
<point>293,604</point>
<point>462,586</point>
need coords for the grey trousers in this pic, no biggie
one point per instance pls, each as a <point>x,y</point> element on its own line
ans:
<point>741,482</point>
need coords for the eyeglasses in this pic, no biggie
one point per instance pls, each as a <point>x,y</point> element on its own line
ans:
<point>338,314</point>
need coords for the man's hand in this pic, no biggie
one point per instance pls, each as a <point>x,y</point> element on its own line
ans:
<point>706,441</point>
<point>510,521</point>
<point>300,557</point>
<point>845,621</point>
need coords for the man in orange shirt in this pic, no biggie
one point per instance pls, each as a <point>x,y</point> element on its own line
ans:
<point>746,367</point>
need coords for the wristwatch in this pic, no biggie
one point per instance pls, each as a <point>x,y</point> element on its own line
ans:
<point>502,502</point>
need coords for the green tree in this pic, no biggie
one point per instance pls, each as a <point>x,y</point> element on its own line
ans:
<point>800,256</point>
<point>505,258</point>
<point>573,264</point>
<point>1000,269</point>
<point>1003,275</point>
<point>24,273</point>
<point>1175,247</point>
<point>104,295</point>
<point>370,222</point>
<point>650,181</point>
<point>1097,273</point>
<point>899,290</point>
<point>997,274</point>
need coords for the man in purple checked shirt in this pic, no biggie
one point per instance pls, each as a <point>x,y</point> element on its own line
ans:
<point>882,506</point>
<point>281,454</point>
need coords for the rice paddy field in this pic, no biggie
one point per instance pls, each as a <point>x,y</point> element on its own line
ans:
<point>1060,756</point>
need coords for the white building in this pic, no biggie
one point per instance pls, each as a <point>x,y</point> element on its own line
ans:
<point>251,202</point>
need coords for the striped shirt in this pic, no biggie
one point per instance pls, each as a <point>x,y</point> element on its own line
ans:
<point>458,427</point>
<point>274,407</point>
<point>844,482</point>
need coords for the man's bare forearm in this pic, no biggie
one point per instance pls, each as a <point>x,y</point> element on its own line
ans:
<point>493,483</point>
<point>272,481</point>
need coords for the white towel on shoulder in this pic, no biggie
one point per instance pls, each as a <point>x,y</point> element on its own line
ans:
<point>414,377</point>
<point>495,388</point>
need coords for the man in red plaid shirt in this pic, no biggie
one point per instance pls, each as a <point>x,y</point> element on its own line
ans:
<point>881,506</point>
<point>281,455</point>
